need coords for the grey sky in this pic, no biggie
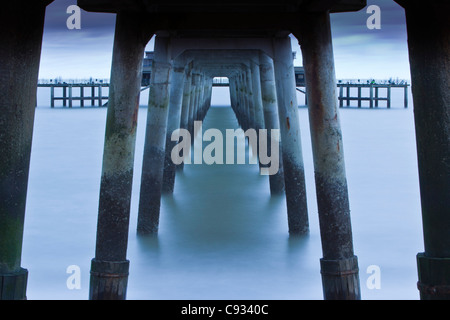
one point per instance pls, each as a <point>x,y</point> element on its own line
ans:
<point>359,52</point>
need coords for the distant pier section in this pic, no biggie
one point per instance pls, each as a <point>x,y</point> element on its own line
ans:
<point>349,91</point>
<point>370,90</point>
<point>68,91</point>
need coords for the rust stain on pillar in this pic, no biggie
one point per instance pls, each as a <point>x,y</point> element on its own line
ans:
<point>339,265</point>
<point>109,268</point>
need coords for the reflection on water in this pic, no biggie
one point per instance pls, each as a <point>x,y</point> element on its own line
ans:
<point>222,235</point>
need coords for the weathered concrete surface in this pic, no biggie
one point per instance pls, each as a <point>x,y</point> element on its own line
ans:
<point>428,30</point>
<point>186,101</point>
<point>155,139</point>
<point>328,155</point>
<point>173,123</point>
<point>131,37</point>
<point>271,120</point>
<point>294,175</point>
<point>21,29</point>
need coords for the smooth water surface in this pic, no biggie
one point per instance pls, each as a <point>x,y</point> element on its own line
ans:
<point>222,235</point>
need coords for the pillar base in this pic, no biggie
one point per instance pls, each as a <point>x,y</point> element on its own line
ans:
<point>434,277</point>
<point>340,279</point>
<point>109,280</point>
<point>13,286</point>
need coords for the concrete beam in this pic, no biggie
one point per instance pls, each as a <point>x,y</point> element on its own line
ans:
<point>220,7</point>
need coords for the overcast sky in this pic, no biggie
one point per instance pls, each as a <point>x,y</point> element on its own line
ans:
<point>359,52</point>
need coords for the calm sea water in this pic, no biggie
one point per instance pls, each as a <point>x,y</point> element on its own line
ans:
<point>222,235</point>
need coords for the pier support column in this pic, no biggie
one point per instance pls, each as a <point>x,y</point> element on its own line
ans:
<point>173,123</point>
<point>93,95</point>
<point>245,103</point>
<point>428,30</point>
<point>339,266</point>
<point>248,87</point>
<point>109,268</point>
<point>239,103</point>
<point>234,99</point>
<point>193,103</point>
<point>100,94</point>
<point>257,99</point>
<point>271,121</point>
<point>207,97</point>
<point>21,30</point>
<point>294,175</point>
<point>70,96</point>
<point>155,139</point>
<point>203,106</point>
<point>199,96</point>
<point>64,88</point>
<point>52,96</point>
<point>81,96</point>
<point>184,121</point>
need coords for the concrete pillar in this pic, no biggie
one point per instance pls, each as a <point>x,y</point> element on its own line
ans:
<point>100,94</point>
<point>376,96</point>
<point>21,30</point>
<point>155,139</point>
<point>240,104</point>
<point>257,104</point>
<point>248,90</point>
<point>428,30</point>
<point>195,102</point>
<point>52,96</point>
<point>202,98</point>
<point>233,94</point>
<point>93,95</point>
<point>339,266</point>
<point>184,121</point>
<point>198,95</point>
<point>243,102</point>
<point>389,96</point>
<point>405,96</point>
<point>234,99</point>
<point>81,96</point>
<point>271,120</point>
<point>173,123</point>
<point>206,97</point>
<point>257,99</point>
<point>70,96</point>
<point>64,95</point>
<point>109,268</point>
<point>192,104</point>
<point>294,175</point>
